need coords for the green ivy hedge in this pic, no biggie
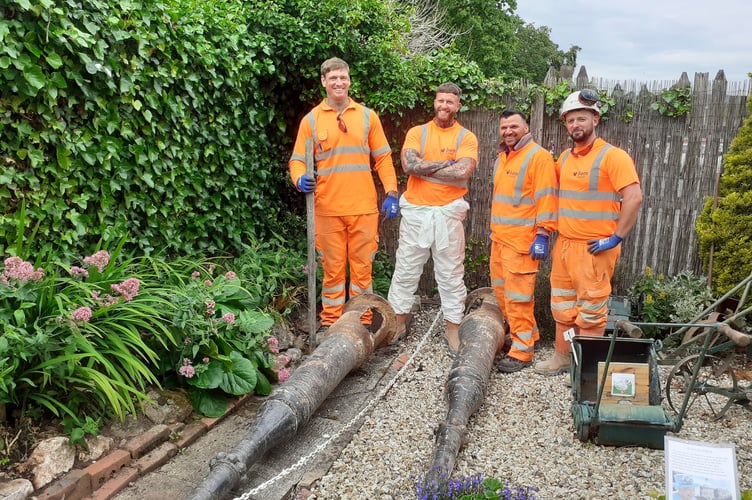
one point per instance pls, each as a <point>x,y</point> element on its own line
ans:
<point>171,121</point>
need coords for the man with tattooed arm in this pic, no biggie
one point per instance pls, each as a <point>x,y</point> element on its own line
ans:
<point>439,157</point>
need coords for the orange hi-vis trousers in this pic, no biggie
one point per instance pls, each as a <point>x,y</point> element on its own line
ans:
<point>580,287</point>
<point>350,240</point>
<point>513,279</point>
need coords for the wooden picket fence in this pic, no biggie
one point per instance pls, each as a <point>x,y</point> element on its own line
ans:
<point>679,160</point>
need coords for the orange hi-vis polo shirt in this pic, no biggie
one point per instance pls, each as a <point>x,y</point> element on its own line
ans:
<point>524,195</point>
<point>434,143</point>
<point>589,183</point>
<point>344,182</point>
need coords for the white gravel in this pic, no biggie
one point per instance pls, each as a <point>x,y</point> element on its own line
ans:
<point>523,435</point>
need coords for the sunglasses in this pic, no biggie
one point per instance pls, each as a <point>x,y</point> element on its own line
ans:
<point>341,123</point>
<point>588,97</point>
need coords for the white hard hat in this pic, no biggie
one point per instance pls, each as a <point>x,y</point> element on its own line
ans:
<point>582,99</point>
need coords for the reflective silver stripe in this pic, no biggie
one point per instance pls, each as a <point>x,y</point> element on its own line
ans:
<point>591,318</point>
<point>512,221</point>
<point>297,157</point>
<point>593,186</point>
<point>563,306</point>
<point>585,215</point>
<point>332,302</point>
<point>366,125</point>
<point>519,297</point>
<point>503,198</point>
<point>590,306</point>
<point>521,347</point>
<point>521,175</point>
<point>458,183</point>
<point>381,151</point>
<point>525,335</point>
<point>564,292</point>
<point>498,282</point>
<point>424,138</point>
<point>546,192</point>
<point>338,169</point>
<point>547,216</point>
<point>495,168</point>
<point>365,149</point>
<point>356,289</point>
<point>568,194</point>
<point>333,289</point>
<point>595,171</point>
<point>341,150</point>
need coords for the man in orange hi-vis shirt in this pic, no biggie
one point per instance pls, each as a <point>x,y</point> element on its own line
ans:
<point>439,157</point>
<point>523,215</point>
<point>599,201</point>
<point>346,136</point>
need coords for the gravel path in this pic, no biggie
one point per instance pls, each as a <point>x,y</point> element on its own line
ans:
<point>523,434</point>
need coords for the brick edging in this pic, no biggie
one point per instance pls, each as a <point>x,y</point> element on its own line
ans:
<point>140,455</point>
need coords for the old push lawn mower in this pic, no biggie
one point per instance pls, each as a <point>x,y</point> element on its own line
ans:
<point>617,393</point>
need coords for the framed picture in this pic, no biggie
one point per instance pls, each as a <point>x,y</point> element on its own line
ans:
<point>626,383</point>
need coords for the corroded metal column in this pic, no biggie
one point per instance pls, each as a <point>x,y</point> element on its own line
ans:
<point>481,337</point>
<point>345,347</point>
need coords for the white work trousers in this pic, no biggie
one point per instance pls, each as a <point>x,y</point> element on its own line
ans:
<point>431,231</point>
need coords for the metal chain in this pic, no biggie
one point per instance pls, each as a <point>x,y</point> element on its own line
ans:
<point>247,495</point>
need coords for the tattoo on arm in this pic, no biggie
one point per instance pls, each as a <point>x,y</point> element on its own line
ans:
<point>462,169</point>
<point>413,164</point>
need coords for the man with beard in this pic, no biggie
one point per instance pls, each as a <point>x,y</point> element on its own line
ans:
<point>599,200</point>
<point>439,157</point>
<point>523,215</point>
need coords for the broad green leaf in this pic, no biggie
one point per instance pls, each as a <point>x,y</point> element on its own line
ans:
<point>53,59</point>
<point>34,76</point>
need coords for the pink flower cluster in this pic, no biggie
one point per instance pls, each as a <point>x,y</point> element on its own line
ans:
<point>210,305</point>
<point>273,344</point>
<point>19,270</point>
<point>128,289</point>
<point>230,275</point>
<point>228,318</point>
<point>99,260</point>
<point>187,369</point>
<point>82,314</point>
<point>280,369</point>
<point>79,272</point>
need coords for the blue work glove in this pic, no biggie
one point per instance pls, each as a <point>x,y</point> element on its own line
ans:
<point>597,246</point>
<point>539,248</point>
<point>390,207</point>
<point>305,183</point>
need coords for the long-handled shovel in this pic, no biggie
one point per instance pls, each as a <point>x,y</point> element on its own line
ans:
<point>311,240</point>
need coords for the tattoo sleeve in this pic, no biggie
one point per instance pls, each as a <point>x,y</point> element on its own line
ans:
<point>414,164</point>
<point>462,169</point>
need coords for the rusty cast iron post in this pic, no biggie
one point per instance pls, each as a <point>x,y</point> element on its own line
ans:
<point>346,345</point>
<point>481,337</point>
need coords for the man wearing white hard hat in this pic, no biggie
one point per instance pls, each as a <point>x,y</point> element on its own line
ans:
<point>599,200</point>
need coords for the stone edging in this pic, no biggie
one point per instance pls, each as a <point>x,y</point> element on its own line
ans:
<point>141,455</point>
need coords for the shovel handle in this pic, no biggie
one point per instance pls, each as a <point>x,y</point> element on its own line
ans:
<point>737,337</point>
<point>632,331</point>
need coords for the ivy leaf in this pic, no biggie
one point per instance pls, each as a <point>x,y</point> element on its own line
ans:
<point>54,60</point>
<point>34,76</point>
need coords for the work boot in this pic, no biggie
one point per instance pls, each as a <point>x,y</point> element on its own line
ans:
<point>556,364</point>
<point>511,365</point>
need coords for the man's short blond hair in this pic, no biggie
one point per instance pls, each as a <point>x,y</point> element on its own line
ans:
<point>333,63</point>
<point>449,88</point>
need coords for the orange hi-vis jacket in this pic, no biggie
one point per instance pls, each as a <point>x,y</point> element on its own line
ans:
<point>589,183</point>
<point>434,143</point>
<point>524,195</point>
<point>344,183</point>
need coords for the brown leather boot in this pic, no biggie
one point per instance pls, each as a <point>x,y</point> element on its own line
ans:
<point>556,364</point>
